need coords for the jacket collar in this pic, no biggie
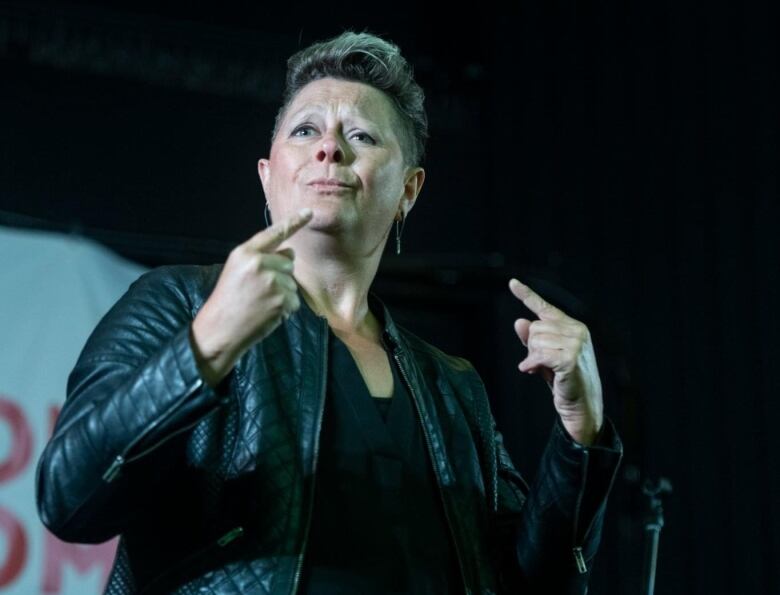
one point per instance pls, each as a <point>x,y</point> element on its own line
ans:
<point>390,331</point>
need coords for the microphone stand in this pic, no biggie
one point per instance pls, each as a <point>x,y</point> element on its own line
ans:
<point>654,522</point>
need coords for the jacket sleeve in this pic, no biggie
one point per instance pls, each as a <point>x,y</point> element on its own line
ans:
<point>135,386</point>
<point>547,534</point>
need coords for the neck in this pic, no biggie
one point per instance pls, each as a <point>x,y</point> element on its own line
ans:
<point>334,272</point>
<point>338,290</point>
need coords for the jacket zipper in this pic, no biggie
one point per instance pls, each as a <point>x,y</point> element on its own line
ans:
<point>121,459</point>
<point>223,541</point>
<point>579,560</point>
<point>297,575</point>
<point>435,469</point>
<point>299,565</point>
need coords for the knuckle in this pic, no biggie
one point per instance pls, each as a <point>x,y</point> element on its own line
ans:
<point>256,264</point>
<point>268,281</point>
<point>279,279</point>
<point>237,253</point>
<point>276,302</point>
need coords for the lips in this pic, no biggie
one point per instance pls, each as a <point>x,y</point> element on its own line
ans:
<point>333,182</point>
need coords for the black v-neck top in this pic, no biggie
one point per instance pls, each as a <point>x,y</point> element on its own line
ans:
<point>383,405</point>
<point>378,524</point>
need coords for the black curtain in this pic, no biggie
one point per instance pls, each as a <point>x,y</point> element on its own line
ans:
<point>620,157</point>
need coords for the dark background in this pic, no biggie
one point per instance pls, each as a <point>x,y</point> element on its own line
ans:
<point>619,157</point>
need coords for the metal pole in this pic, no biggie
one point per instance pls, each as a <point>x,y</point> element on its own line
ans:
<point>654,522</point>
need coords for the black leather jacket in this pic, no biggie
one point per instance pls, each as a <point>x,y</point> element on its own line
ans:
<point>211,489</point>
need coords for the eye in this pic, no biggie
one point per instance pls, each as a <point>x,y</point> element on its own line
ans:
<point>301,128</point>
<point>365,137</point>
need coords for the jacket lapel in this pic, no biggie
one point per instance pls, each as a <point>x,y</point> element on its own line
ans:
<point>422,389</point>
<point>308,336</point>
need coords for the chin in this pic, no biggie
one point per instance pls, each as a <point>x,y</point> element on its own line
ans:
<point>321,217</point>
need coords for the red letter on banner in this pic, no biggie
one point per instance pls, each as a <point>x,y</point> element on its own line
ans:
<point>17,548</point>
<point>82,556</point>
<point>21,439</point>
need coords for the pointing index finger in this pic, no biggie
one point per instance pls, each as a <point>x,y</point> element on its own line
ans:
<point>534,302</point>
<point>270,237</point>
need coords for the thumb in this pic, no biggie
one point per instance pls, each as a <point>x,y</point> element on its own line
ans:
<point>522,328</point>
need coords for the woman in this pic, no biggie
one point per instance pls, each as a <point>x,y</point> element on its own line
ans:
<point>263,426</point>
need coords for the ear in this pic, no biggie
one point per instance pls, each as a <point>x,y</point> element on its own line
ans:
<point>415,178</point>
<point>264,172</point>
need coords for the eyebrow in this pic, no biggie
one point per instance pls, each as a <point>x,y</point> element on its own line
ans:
<point>309,111</point>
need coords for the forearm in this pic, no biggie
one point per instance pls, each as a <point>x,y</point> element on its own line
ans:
<point>112,415</point>
<point>135,386</point>
<point>560,529</point>
<point>215,358</point>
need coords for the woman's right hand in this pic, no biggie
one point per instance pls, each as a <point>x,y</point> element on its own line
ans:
<point>254,293</point>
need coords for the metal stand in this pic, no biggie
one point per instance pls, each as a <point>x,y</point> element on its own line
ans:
<point>654,522</point>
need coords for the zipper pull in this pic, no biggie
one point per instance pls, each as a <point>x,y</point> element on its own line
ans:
<point>114,469</point>
<point>230,536</point>
<point>580,560</point>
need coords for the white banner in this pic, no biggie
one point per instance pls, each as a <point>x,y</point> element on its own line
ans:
<point>54,289</point>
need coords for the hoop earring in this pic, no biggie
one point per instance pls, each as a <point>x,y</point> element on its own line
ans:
<point>266,212</point>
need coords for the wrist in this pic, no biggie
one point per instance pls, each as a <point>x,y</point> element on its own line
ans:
<point>584,431</point>
<point>214,359</point>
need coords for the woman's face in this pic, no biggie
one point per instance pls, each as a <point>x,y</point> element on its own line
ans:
<point>338,152</point>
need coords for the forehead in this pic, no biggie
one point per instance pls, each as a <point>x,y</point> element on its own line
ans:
<point>346,99</point>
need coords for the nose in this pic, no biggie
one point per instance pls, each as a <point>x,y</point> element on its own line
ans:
<point>330,149</point>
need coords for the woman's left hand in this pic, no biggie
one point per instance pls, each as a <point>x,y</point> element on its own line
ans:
<point>560,349</point>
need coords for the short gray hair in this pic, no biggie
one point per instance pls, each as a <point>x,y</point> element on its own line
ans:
<point>368,59</point>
